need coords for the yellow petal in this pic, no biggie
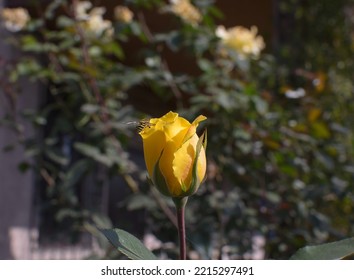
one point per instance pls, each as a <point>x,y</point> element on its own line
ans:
<point>192,129</point>
<point>183,162</point>
<point>199,119</point>
<point>171,124</point>
<point>201,167</point>
<point>180,136</point>
<point>169,117</point>
<point>165,123</point>
<point>174,126</point>
<point>154,143</point>
<point>166,163</point>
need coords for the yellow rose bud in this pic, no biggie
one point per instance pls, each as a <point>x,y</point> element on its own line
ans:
<point>123,14</point>
<point>174,154</point>
<point>187,11</point>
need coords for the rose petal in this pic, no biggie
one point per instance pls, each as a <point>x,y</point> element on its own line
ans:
<point>166,163</point>
<point>183,161</point>
<point>153,143</point>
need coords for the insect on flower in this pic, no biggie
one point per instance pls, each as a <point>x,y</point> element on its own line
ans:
<point>140,125</point>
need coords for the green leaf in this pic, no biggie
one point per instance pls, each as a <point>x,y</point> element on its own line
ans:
<point>49,13</point>
<point>260,104</point>
<point>93,152</point>
<point>113,48</point>
<point>90,108</point>
<point>215,12</point>
<point>76,172</point>
<point>205,65</point>
<point>57,157</point>
<point>23,166</point>
<point>63,21</point>
<point>320,130</point>
<point>128,244</point>
<point>140,201</point>
<point>329,251</point>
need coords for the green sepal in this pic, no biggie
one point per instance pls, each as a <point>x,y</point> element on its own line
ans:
<point>180,202</point>
<point>158,179</point>
<point>205,141</point>
<point>183,187</point>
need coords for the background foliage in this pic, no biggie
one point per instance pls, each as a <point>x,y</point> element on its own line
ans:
<point>280,133</point>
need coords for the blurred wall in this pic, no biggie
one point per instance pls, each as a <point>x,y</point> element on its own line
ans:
<point>16,188</point>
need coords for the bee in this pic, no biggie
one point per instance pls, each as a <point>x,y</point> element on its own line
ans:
<point>140,125</point>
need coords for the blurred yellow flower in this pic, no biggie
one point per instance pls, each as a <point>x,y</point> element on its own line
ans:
<point>174,154</point>
<point>81,10</point>
<point>97,24</point>
<point>93,21</point>
<point>15,19</point>
<point>185,10</point>
<point>123,14</point>
<point>242,40</point>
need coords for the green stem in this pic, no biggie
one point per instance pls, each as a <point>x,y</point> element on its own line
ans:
<point>180,204</point>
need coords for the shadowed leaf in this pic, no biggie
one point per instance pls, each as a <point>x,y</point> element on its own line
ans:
<point>128,244</point>
<point>330,251</point>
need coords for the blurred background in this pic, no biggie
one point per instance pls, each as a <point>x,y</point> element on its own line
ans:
<point>274,78</point>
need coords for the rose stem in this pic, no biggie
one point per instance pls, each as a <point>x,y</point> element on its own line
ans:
<point>180,204</point>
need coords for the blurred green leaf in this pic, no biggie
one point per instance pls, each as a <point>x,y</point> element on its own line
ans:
<point>320,130</point>
<point>205,65</point>
<point>56,157</point>
<point>24,166</point>
<point>64,21</point>
<point>140,201</point>
<point>94,153</point>
<point>261,105</point>
<point>329,251</point>
<point>76,172</point>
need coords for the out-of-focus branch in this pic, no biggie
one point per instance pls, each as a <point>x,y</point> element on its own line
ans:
<point>164,65</point>
<point>168,212</point>
<point>88,62</point>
